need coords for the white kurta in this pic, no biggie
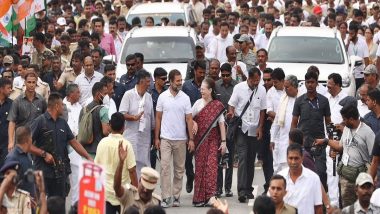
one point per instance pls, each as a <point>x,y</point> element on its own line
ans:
<point>140,140</point>
<point>280,136</point>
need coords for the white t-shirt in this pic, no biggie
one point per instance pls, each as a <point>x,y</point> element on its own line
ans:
<point>174,109</point>
<point>305,193</point>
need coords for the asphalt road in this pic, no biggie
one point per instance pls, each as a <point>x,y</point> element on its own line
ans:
<point>234,205</point>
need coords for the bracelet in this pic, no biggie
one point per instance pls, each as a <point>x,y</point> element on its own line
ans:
<point>223,141</point>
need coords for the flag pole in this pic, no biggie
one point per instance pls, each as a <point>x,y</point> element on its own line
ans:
<point>25,27</point>
<point>11,20</point>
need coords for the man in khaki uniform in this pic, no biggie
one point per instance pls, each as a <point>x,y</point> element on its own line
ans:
<point>41,50</point>
<point>141,197</point>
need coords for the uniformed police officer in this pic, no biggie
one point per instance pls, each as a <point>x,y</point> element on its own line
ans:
<point>140,197</point>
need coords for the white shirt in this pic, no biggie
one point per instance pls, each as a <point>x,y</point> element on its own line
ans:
<point>18,82</point>
<point>359,49</point>
<point>261,41</point>
<point>240,97</point>
<point>85,85</point>
<point>174,109</point>
<point>273,99</point>
<point>321,89</point>
<point>217,48</point>
<point>73,115</point>
<point>335,108</point>
<point>243,67</point>
<point>208,39</point>
<point>362,108</point>
<point>305,193</point>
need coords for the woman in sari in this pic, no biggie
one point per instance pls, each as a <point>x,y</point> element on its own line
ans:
<point>210,138</point>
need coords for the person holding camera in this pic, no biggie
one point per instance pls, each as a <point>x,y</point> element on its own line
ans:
<point>356,145</point>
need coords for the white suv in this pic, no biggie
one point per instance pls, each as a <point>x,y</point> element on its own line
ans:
<point>158,10</point>
<point>295,49</point>
<point>168,47</point>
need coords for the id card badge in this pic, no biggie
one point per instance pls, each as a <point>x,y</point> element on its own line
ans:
<point>345,158</point>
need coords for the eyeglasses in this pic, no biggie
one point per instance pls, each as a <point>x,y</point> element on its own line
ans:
<point>267,80</point>
<point>8,77</point>
<point>129,65</point>
<point>163,78</point>
<point>226,75</point>
<point>240,42</point>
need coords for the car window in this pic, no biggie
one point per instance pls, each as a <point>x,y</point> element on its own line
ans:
<point>308,50</point>
<point>173,17</point>
<point>160,49</point>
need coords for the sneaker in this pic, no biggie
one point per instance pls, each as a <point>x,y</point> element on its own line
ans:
<point>165,203</point>
<point>176,202</point>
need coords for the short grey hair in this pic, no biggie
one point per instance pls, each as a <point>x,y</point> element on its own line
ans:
<point>71,88</point>
<point>292,80</point>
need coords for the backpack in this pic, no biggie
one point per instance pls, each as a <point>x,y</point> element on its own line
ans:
<point>85,133</point>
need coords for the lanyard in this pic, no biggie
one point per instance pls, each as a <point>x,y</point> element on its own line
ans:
<point>312,105</point>
<point>353,135</point>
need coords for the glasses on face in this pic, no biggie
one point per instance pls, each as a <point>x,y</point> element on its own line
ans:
<point>163,78</point>
<point>226,75</point>
<point>267,80</point>
<point>130,65</point>
<point>8,77</point>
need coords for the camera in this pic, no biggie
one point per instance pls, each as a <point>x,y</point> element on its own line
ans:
<point>223,161</point>
<point>314,150</point>
<point>333,132</point>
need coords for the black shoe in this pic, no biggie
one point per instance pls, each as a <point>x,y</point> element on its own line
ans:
<point>219,193</point>
<point>229,193</point>
<point>250,195</point>
<point>200,204</point>
<point>189,185</point>
<point>242,198</point>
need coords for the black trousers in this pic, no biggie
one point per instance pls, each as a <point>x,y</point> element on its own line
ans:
<point>111,209</point>
<point>246,148</point>
<point>56,187</point>
<point>189,166</point>
<point>266,154</point>
<point>320,165</point>
<point>229,170</point>
<point>153,152</point>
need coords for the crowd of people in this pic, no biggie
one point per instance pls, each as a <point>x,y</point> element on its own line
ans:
<point>60,103</point>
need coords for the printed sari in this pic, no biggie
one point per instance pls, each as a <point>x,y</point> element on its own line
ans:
<point>207,141</point>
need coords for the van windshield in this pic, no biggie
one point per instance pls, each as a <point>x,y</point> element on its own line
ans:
<point>173,17</point>
<point>160,49</point>
<point>297,49</point>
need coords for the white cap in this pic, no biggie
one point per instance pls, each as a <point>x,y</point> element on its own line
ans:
<point>61,21</point>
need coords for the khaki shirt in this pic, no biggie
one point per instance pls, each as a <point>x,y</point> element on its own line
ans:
<point>18,203</point>
<point>37,57</point>
<point>131,198</point>
<point>68,76</point>
<point>65,59</point>
<point>42,89</point>
<point>287,209</point>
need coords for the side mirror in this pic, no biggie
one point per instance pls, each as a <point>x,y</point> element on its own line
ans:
<point>356,61</point>
<point>109,59</point>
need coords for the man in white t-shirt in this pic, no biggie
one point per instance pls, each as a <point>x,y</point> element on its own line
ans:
<point>173,135</point>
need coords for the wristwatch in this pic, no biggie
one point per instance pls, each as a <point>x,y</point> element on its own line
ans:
<point>43,154</point>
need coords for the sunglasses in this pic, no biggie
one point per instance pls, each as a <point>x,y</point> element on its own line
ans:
<point>267,80</point>
<point>129,65</point>
<point>163,78</point>
<point>226,75</point>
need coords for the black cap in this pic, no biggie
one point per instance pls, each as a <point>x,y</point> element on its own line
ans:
<point>349,100</point>
<point>10,165</point>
